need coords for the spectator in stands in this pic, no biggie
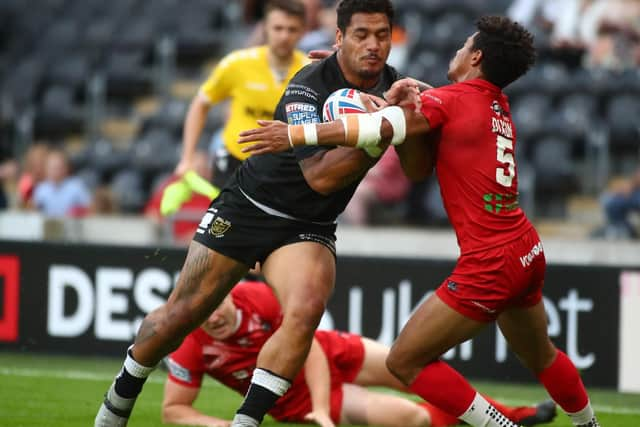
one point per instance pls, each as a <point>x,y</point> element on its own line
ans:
<point>33,172</point>
<point>384,185</point>
<point>103,202</point>
<point>559,19</point>
<point>618,203</point>
<point>61,194</point>
<point>611,31</point>
<point>8,172</point>
<point>321,26</point>
<point>186,220</point>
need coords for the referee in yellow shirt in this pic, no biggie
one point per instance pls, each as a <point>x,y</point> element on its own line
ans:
<point>254,79</point>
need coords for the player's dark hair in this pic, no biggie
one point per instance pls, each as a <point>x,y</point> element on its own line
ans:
<point>507,49</point>
<point>290,7</point>
<point>347,8</point>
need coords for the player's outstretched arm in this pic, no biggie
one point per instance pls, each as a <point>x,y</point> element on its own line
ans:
<point>318,378</point>
<point>177,407</point>
<point>390,124</point>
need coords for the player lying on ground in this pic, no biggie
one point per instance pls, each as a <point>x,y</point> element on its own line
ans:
<point>500,272</point>
<point>226,348</point>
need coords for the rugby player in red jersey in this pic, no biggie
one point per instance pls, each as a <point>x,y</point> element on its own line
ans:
<point>329,390</point>
<point>500,271</point>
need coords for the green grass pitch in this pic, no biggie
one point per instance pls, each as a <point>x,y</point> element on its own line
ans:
<point>54,391</point>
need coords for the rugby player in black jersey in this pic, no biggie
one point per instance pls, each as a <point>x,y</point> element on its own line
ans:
<point>280,210</point>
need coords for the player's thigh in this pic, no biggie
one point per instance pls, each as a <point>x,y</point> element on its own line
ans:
<point>433,329</point>
<point>205,279</point>
<point>526,332</point>
<point>364,407</point>
<point>374,371</point>
<point>302,274</point>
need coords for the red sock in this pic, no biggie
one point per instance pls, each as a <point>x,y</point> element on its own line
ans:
<point>439,418</point>
<point>562,381</point>
<point>441,385</point>
<point>515,414</point>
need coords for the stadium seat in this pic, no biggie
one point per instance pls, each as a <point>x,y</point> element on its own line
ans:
<point>90,177</point>
<point>102,157</point>
<point>553,78</point>
<point>555,175</point>
<point>623,117</point>
<point>530,114</point>
<point>127,188</point>
<point>170,116</point>
<point>574,117</point>
<point>450,31</point>
<point>70,71</point>
<point>126,75</point>
<point>57,115</point>
<point>157,151</point>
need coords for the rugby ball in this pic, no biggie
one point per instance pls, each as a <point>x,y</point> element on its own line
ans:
<point>342,101</point>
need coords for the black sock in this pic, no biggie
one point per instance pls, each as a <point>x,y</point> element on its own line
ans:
<point>128,386</point>
<point>257,402</point>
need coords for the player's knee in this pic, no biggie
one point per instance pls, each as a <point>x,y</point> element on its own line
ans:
<point>306,313</point>
<point>418,417</point>
<point>399,366</point>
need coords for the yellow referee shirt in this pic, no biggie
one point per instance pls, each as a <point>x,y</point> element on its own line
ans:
<point>245,77</point>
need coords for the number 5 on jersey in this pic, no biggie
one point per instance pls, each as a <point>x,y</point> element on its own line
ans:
<point>505,179</point>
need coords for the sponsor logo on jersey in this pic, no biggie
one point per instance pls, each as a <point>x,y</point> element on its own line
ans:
<point>300,90</point>
<point>483,307</point>
<point>180,372</point>
<point>219,226</point>
<point>497,109</point>
<point>527,259</point>
<point>301,112</point>
<point>433,98</point>
<point>318,238</point>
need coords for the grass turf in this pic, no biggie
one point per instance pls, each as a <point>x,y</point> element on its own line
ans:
<point>55,391</point>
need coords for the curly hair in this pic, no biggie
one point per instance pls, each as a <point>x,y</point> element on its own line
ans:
<point>347,8</point>
<point>507,49</point>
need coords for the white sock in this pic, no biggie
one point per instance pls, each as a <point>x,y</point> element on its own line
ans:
<point>481,414</point>
<point>134,368</point>
<point>241,420</point>
<point>583,417</point>
<point>271,382</point>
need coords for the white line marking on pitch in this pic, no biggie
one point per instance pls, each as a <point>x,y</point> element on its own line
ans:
<point>159,379</point>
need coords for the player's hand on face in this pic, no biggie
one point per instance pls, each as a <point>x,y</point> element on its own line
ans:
<point>404,93</point>
<point>272,137</point>
<point>320,418</point>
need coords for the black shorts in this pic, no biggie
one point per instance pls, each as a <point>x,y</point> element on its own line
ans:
<point>224,166</point>
<point>235,227</point>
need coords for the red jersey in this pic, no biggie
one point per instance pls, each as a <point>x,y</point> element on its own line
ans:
<point>184,227</point>
<point>475,163</point>
<point>233,360</point>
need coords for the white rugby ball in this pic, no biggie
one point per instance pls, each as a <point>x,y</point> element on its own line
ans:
<point>342,101</point>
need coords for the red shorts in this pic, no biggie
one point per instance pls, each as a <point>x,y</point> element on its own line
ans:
<point>485,283</point>
<point>345,354</point>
